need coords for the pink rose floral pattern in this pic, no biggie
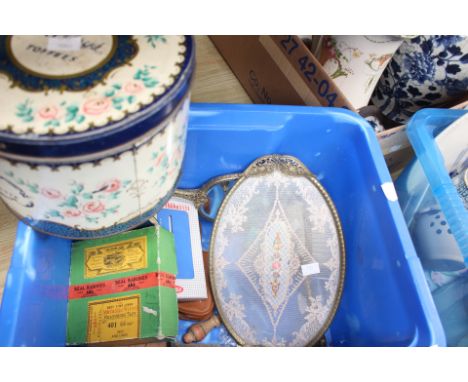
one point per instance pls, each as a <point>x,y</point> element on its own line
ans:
<point>133,88</point>
<point>94,207</point>
<point>96,106</point>
<point>93,204</point>
<point>160,161</point>
<point>72,213</point>
<point>110,186</point>
<point>164,164</point>
<point>48,112</point>
<point>51,193</point>
<point>115,97</point>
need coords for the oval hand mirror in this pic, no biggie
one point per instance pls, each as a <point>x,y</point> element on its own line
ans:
<point>277,256</point>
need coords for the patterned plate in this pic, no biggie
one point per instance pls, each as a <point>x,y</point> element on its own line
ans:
<point>277,256</point>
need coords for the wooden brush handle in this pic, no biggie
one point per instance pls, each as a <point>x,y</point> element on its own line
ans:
<point>197,332</point>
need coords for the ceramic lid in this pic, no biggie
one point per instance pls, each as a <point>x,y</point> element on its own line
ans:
<point>58,91</point>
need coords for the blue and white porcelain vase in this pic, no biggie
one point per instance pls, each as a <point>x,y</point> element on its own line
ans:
<point>92,129</point>
<point>425,72</point>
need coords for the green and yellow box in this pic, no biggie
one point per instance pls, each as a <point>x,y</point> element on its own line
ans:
<point>122,289</point>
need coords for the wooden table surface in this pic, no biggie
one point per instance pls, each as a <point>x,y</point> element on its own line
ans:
<point>214,82</point>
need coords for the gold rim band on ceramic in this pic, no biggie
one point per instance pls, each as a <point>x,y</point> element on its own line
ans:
<point>291,166</point>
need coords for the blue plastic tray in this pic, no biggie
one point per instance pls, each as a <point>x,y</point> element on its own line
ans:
<point>386,301</point>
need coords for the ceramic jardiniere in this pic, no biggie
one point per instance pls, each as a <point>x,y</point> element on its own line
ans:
<point>424,72</point>
<point>92,129</point>
<point>355,63</point>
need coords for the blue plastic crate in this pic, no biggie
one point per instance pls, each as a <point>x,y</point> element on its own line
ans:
<point>386,301</point>
<point>437,221</point>
<point>424,126</point>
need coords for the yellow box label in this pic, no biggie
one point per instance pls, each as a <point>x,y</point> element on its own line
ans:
<point>114,319</point>
<point>128,255</point>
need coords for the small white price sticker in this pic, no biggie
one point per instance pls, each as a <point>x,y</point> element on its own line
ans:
<point>310,269</point>
<point>389,190</point>
<point>64,43</point>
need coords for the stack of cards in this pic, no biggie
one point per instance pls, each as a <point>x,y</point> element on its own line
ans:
<point>180,217</point>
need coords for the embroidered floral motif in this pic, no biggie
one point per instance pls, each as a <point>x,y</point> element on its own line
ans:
<point>332,264</point>
<point>316,314</point>
<point>235,311</point>
<point>276,264</point>
<point>318,211</point>
<point>272,263</point>
<point>234,217</point>
<point>220,280</point>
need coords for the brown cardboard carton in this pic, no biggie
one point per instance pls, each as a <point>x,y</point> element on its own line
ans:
<point>279,70</point>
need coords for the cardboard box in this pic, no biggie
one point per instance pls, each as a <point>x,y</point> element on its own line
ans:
<point>279,70</point>
<point>122,289</point>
